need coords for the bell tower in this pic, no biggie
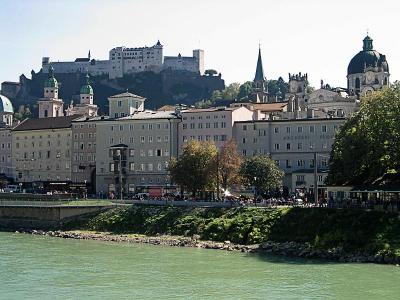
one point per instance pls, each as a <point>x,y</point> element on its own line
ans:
<point>50,105</point>
<point>259,91</point>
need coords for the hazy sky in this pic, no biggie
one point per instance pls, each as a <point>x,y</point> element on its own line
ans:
<point>315,37</point>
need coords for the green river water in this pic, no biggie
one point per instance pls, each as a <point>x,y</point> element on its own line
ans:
<point>36,267</point>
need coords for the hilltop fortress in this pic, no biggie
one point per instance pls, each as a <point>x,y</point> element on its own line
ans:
<point>124,60</point>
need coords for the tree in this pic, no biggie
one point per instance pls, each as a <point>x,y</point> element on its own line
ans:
<point>196,169</point>
<point>367,147</point>
<point>231,91</point>
<point>262,172</point>
<point>245,90</point>
<point>210,72</point>
<point>230,162</point>
<point>278,88</point>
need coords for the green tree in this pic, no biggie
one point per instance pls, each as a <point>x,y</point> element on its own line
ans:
<point>278,88</point>
<point>262,172</point>
<point>230,162</point>
<point>196,169</point>
<point>245,90</point>
<point>231,91</point>
<point>367,147</point>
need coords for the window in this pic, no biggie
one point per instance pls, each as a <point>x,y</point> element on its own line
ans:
<point>208,125</point>
<point>121,127</point>
<point>276,129</point>
<point>300,163</point>
<point>288,146</point>
<point>112,167</point>
<point>166,138</point>
<point>131,166</point>
<point>131,140</point>
<point>312,145</point>
<point>112,128</point>
<point>299,146</point>
<point>159,152</point>
<point>200,126</point>
<point>244,140</point>
<point>150,152</point>
<point>324,145</point>
<point>159,167</point>
<point>299,129</point>
<point>223,124</point>
<point>150,139</point>
<point>142,139</point>
<point>192,125</point>
<point>300,178</point>
<point>287,129</point>
<point>215,124</point>
<point>131,152</point>
<point>131,127</point>
<point>142,153</point>
<point>324,162</point>
<point>311,163</point>
<point>244,127</point>
<point>288,164</point>
<point>166,152</point>
<point>312,128</point>
<point>276,146</point>
<point>150,167</point>
<point>320,178</point>
<point>324,128</point>
<point>119,103</point>
<point>184,126</point>
<point>150,126</point>
<point>159,139</point>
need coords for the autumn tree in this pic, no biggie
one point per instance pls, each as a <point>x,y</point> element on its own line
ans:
<point>196,168</point>
<point>229,165</point>
<point>262,172</point>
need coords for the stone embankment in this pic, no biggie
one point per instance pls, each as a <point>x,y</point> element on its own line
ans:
<point>289,249</point>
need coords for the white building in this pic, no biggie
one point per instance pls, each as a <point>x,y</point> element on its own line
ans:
<point>125,104</point>
<point>193,63</point>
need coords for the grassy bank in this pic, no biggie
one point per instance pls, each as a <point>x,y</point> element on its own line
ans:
<point>372,232</point>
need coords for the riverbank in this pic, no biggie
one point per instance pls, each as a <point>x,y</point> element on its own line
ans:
<point>337,235</point>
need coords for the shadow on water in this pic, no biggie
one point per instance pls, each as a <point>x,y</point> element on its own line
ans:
<point>290,260</point>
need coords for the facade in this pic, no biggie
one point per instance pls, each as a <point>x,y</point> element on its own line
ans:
<point>5,151</point>
<point>42,151</point>
<point>367,71</point>
<point>143,144</point>
<point>86,107</point>
<point>125,104</point>
<point>50,105</point>
<point>83,157</point>
<point>123,60</point>
<point>212,124</point>
<point>292,143</point>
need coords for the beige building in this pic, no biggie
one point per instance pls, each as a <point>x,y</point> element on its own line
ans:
<point>42,152</point>
<point>86,106</point>
<point>143,144</point>
<point>211,124</point>
<point>292,143</point>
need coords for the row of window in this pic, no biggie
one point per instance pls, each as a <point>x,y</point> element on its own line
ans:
<point>131,127</point>
<point>42,154</point>
<point>143,167</point>
<point>57,166</point>
<point>301,178</point>
<point>40,144</point>
<point>207,138</point>
<point>83,146</point>
<point>144,153</point>
<point>83,136</point>
<point>150,139</point>
<point>3,145</point>
<point>205,125</point>
<point>289,129</point>
<point>41,137</point>
<point>207,117</point>
<point>88,125</point>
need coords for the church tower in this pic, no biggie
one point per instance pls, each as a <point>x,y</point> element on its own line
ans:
<point>50,105</point>
<point>259,91</point>
<point>86,106</point>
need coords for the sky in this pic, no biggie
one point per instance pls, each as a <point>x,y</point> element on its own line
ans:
<point>317,37</point>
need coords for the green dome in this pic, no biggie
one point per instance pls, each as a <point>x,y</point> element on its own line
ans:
<point>5,105</point>
<point>87,88</point>
<point>51,82</point>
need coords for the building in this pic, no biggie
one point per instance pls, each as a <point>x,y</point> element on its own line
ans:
<point>6,124</point>
<point>132,60</point>
<point>42,152</point>
<point>86,107</point>
<point>193,63</point>
<point>125,104</point>
<point>123,60</point>
<point>260,87</point>
<point>143,144</point>
<point>211,124</point>
<point>293,144</point>
<point>50,105</point>
<point>368,71</point>
<point>83,157</point>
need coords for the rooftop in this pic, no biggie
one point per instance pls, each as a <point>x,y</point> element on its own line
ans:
<point>150,114</point>
<point>46,123</point>
<point>270,107</point>
<point>126,95</point>
<point>211,109</point>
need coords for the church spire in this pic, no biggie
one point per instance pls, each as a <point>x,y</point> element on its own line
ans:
<point>259,70</point>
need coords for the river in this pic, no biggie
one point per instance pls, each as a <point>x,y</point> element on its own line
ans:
<point>36,267</point>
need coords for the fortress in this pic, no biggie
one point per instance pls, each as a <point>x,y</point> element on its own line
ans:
<point>124,60</point>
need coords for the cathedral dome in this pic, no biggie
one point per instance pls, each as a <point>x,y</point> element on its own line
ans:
<point>368,57</point>
<point>87,88</point>
<point>5,105</point>
<point>51,82</point>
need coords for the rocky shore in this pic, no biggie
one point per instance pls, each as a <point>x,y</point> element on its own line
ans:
<point>289,249</point>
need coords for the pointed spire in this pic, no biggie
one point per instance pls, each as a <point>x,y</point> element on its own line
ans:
<point>51,71</point>
<point>259,70</point>
<point>89,54</point>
